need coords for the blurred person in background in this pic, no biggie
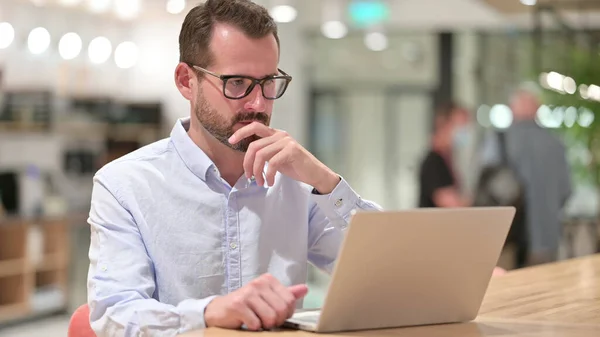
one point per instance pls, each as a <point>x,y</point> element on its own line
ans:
<point>538,158</point>
<point>438,179</point>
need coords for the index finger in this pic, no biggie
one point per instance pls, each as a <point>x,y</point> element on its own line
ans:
<point>286,295</point>
<point>254,128</point>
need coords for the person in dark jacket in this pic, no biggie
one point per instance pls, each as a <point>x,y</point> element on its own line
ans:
<point>438,181</point>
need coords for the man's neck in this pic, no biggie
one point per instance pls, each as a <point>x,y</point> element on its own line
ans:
<point>228,161</point>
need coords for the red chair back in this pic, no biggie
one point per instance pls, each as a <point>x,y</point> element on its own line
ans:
<point>79,326</point>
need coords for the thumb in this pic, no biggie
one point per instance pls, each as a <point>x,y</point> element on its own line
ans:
<point>299,290</point>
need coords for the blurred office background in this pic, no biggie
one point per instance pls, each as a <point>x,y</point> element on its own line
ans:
<point>85,81</point>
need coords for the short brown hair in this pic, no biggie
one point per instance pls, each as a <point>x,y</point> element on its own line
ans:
<point>445,111</point>
<point>197,29</point>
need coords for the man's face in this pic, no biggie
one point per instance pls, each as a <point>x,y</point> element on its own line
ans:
<point>235,54</point>
<point>524,105</point>
<point>459,118</point>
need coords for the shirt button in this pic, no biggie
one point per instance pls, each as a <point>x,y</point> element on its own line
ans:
<point>233,245</point>
<point>338,203</point>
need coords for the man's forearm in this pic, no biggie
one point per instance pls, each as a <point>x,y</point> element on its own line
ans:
<point>329,217</point>
<point>449,197</point>
<point>146,317</point>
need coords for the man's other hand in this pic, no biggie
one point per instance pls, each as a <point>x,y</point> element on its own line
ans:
<point>263,303</point>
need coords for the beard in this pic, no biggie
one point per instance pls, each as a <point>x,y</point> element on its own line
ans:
<point>221,128</point>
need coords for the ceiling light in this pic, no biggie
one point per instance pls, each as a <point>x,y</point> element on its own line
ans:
<point>543,78</point>
<point>569,85</point>
<point>583,91</point>
<point>529,2</point>
<point>559,115</point>
<point>570,116</point>
<point>175,6</point>
<point>99,50</point>
<point>334,29</point>
<point>545,118</point>
<point>586,117</point>
<point>548,118</point>
<point>69,46</point>
<point>7,34</point>
<point>594,92</point>
<point>127,9</point>
<point>69,3</point>
<point>501,116</point>
<point>38,40</point>
<point>126,55</point>
<point>99,6</point>
<point>376,41</point>
<point>555,81</point>
<point>283,13</point>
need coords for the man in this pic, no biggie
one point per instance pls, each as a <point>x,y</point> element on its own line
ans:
<point>214,226</point>
<point>538,158</point>
<point>438,181</point>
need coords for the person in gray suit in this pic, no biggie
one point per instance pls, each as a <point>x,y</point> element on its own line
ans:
<point>538,158</point>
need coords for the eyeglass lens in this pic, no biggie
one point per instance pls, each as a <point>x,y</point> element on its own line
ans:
<point>237,87</point>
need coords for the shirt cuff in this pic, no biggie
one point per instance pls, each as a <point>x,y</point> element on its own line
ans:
<point>339,204</point>
<point>192,314</point>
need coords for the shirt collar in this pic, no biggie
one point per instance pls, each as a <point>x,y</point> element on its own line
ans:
<point>192,155</point>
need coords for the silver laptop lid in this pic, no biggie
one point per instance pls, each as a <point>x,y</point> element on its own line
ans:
<point>423,266</point>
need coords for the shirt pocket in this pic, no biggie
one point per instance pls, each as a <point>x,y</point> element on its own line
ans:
<point>194,255</point>
<point>195,274</point>
<point>202,263</point>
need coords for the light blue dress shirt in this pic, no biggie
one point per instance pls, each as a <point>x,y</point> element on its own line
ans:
<point>168,234</point>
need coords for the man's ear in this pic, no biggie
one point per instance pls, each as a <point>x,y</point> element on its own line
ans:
<point>184,80</point>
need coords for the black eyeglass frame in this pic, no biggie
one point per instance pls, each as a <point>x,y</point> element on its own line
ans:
<point>255,81</point>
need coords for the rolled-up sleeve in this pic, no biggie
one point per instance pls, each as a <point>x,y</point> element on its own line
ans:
<point>121,277</point>
<point>329,217</point>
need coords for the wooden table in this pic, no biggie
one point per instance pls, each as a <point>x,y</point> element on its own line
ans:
<point>566,292</point>
<point>473,329</point>
<point>554,300</point>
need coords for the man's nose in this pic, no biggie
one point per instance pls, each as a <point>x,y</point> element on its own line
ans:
<point>256,101</point>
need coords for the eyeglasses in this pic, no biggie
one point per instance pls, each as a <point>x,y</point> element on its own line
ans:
<point>240,86</point>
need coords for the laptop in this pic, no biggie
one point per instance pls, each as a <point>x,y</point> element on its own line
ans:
<point>409,268</point>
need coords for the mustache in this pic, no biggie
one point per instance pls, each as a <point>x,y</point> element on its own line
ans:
<point>251,117</point>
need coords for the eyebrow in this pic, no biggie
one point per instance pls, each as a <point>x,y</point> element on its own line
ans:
<point>259,78</point>
<point>268,75</point>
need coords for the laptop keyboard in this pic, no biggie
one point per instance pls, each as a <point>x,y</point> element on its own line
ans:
<point>308,317</point>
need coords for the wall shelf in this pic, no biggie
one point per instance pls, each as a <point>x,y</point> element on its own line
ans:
<point>13,311</point>
<point>12,267</point>
<point>34,261</point>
